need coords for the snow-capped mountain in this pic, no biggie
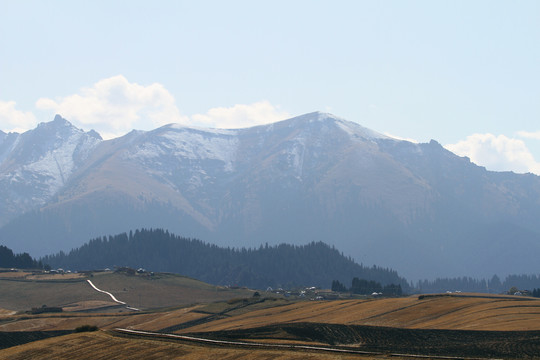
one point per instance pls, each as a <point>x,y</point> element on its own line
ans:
<point>417,208</point>
<point>35,165</point>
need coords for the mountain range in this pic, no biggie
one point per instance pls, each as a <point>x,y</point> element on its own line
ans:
<point>417,208</point>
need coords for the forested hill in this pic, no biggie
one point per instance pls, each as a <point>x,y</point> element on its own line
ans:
<point>314,264</point>
<point>21,261</point>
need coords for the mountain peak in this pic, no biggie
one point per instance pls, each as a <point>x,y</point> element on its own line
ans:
<point>58,123</point>
<point>93,133</point>
<point>354,129</point>
<point>63,126</point>
<point>59,118</point>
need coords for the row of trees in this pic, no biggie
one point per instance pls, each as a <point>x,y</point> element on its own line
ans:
<point>368,287</point>
<point>20,261</point>
<point>314,264</point>
<point>494,285</point>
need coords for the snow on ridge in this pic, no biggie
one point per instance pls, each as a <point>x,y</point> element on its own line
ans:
<point>202,129</point>
<point>356,129</point>
<point>8,151</point>
<point>297,153</point>
<point>189,143</point>
<point>204,145</point>
<point>57,164</point>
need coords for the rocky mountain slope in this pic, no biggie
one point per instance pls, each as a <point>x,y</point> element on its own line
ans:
<point>35,165</point>
<point>417,208</point>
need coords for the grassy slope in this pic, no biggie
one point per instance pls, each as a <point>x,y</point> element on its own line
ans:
<point>24,295</point>
<point>100,345</point>
<point>162,290</point>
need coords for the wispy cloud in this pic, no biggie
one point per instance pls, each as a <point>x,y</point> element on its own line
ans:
<point>499,153</point>
<point>13,120</point>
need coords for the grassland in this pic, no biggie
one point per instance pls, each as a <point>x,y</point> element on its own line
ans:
<point>465,325</point>
<point>23,291</point>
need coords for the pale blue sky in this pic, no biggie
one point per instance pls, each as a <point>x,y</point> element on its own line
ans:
<point>415,69</point>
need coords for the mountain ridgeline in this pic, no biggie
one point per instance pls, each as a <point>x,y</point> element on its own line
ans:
<point>415,208</point>
<point>314,264</point>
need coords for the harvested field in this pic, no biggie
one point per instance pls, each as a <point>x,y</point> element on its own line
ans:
<point>101,345</point>
<point>436,312</point>
<point>9,339</point>
<point>457,343</point>
<point>467,326</point>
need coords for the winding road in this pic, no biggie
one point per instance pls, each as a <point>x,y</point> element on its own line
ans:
<point>112,297</point>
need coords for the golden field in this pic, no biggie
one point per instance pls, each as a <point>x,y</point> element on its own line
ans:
<point>463,325</point>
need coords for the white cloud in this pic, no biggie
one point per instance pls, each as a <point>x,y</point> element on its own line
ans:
<point>499,153</point>
<point>13,120</point>
<point>529,135</point>
<point>240,115</point>
<point>114,106</point>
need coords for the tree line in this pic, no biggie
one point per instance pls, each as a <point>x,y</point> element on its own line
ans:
<point>20,261</point>
<point>287,266</point>
<point>467,284</point>
<point>368,287</point>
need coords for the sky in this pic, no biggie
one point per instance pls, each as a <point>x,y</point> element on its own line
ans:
<point>464,73</point>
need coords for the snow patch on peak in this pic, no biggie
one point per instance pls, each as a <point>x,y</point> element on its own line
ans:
<point>201,129</point>
<point>324,116</point>
<point>182,142</point>
<point>357,130</point>
<point>201,145</point>
<point>58,163</point>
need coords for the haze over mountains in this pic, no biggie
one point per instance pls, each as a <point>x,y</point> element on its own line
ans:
<point>416,208</point>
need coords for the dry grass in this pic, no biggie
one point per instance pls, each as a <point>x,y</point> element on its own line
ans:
<point>94,305</point>
<point>59,277</point>
<point>163,290</point>
<point>24,295</point>
<point>100,345</point>
<point>14,274</point>
<point>4,312</point>
<point>143,292</point>
<point>456,313</point>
